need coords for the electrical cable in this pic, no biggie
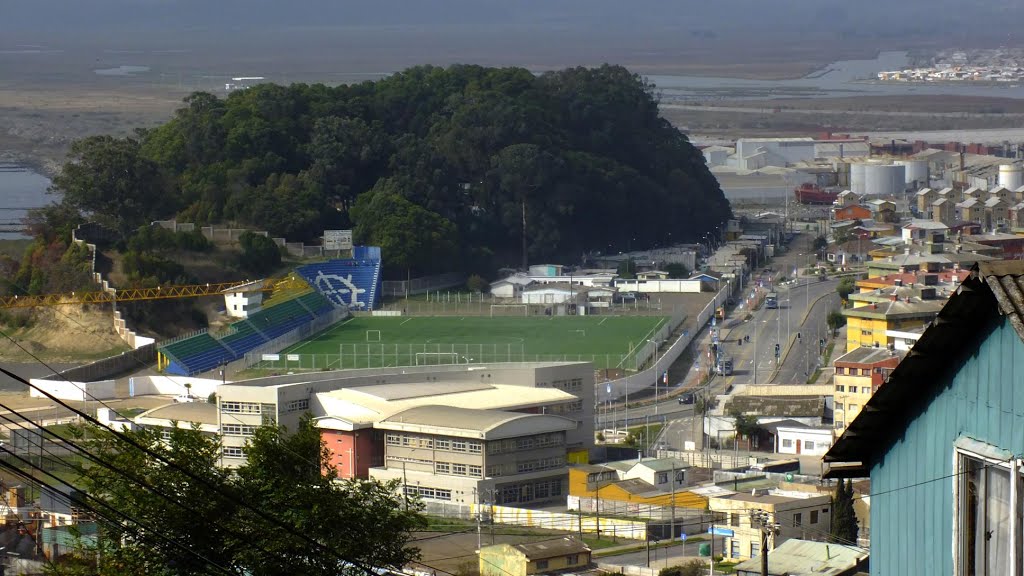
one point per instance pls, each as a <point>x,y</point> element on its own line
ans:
<point>54,490</point>
<point>219,490</point>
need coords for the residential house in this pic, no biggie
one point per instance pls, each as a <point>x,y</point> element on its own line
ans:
<point>924,200</point>
<point>997,213</point>
<point>847,198</point>
<point>941,438</point>
<point>876,312</point>
<point>1002,193</point>
<point>882,210</point>
<point>632,483</point>
<point>950,194</point>
<point>943,210</point>
<point>858,374</point>
<point>970,209</point>
<point>800,439</point>
<point>798,514</point>
<point>1016,216</point>
<point>511,287</point>
<point>806,558</point>
<point>849,252</point>
<point>544,557</point>
<point>852,212</point>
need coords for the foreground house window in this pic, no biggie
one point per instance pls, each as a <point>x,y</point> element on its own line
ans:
<point>988,522</point>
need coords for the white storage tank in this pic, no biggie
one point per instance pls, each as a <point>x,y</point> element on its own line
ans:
<point>1011,176</point>
<point>884,179</point>
<point>857,182</point>
<point>916,172</point>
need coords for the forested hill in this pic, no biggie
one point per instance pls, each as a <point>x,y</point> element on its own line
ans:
<point>435,165</point>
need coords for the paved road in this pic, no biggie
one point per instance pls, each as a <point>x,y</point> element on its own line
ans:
<point>803,355</point>
<point>661,557</point>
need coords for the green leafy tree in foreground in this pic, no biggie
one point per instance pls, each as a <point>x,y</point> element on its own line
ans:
<point>260,254</point>
<point>288,478</point>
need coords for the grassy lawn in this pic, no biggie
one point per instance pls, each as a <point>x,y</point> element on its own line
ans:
<point>365,342</point>
<point>597,544</point>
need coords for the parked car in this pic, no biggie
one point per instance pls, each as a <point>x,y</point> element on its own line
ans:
<point>687,398</point>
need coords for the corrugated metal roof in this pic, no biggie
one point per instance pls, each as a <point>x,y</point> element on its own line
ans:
<point>803,557</point>
<point>993,289</point>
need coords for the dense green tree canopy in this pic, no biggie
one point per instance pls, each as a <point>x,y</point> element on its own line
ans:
<point>582,152</point>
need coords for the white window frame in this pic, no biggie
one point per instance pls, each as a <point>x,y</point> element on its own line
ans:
<point>1014,466</point>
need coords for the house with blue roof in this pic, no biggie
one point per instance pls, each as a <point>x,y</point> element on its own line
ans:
<point>943,438</point>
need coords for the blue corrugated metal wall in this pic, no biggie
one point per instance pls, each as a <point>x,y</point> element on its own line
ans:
<point>912,527</point>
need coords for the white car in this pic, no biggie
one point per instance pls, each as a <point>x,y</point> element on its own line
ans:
<point>182,398</point>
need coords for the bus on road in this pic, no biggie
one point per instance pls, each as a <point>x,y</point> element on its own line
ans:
<point>771,301</point>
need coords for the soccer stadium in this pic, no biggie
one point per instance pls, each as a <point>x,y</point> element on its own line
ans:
<point>326,320</point>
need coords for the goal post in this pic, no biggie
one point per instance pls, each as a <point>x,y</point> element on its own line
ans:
<point>373,335</point>
<point>511,308</point>
<point>422,358</point>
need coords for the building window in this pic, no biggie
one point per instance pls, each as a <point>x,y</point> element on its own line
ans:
<point>474,447</point>
<point>798,519</point>
<point>865,372</point>
<point>852,407</point>
<point>393,439</point>
<point>865,390</point>
<point>459,469</point>
<point>494,470</point>
<point>734,519</point>
<point>443,444</point>
<point>755,549</point>
<point>984,517</point>
<point>542,564</point>
<point>840,387</point>
<point>572,559</point>
<point>808,445</point>
<point>734,548</point>
<point>474,470</point>
<point>237,430</point>
<point>814,516</point>
<point>297,405</point>
<point>839,423</point>
<point>458,445</point>
<point>787,443</point>
<point>662,477</point>
<point>840,370</point>
<point>442,468</point>
<point>234,452</point>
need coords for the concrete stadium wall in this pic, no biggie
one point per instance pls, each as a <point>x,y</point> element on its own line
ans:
<point>171,385</point>
<point>71,390</point>
<point>112,366</point>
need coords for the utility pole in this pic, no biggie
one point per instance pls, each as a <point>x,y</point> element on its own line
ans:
<point>479,529</point>
<point>672,526</point>
<point>526,265</point>
<point>762,520</point>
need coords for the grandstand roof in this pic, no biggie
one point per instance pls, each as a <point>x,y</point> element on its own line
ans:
<point>362,406</point>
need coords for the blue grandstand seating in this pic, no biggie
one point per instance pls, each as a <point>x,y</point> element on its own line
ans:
<point>352,282</point>
<point>204,352</point>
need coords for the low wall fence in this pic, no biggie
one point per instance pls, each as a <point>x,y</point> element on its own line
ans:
<point>608,527</point>
<point>709,459</point>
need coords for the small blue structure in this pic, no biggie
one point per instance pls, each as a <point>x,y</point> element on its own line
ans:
<point>943,438</point>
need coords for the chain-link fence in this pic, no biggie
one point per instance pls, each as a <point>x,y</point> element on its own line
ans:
<point>384,355</point>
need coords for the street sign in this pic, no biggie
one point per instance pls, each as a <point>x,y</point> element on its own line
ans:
<point>337,239</point>
<point>293,357</point>
<point>271,358</point>
<point>608,388</point>
<point>682,537</point>
<point>721,531</point>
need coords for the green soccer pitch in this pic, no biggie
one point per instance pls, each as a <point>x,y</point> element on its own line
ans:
<point>370,342</point>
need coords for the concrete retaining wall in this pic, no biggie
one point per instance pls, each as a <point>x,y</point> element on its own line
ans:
<point>72,390</point>
<point>171,385</point>
<point>112,366</point>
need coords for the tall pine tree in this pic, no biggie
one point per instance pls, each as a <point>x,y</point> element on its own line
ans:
<point>844,519</point>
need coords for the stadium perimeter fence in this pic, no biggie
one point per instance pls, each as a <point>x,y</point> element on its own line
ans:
<point>385,355</point>
<point>460,304</point>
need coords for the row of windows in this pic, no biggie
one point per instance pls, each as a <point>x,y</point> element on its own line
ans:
<point>451,445</point>
<point>456,469</point>
<point>570,385</point>
<point>570,560</point>
<point>570,408</point>
<point>432,493</point>
<point>527,443</point>
<point>529,492</point>
<point>849,407</point>
<point>807,444</point>
<point>237,430</point>
<point>853,389</point>
<point>234,452</point>
<point>241,407</point>
<point>541,464</point>
<point>297,405</point>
